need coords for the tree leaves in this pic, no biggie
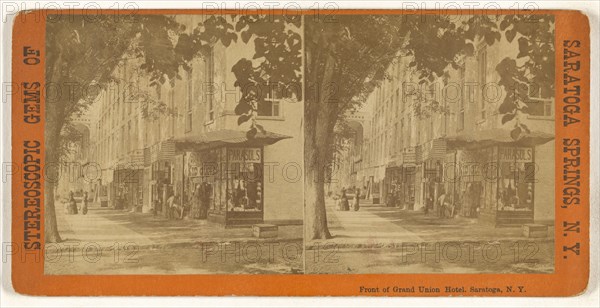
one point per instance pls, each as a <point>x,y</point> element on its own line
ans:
<point>246,36</point>
<point>251,134</point>
<point>508,105</point>
<point>515,134</point>
<point>508,117</point>
<point>243,118</point>
<point>241,109</point>
<point>510,35</point>
<point>523,47</point>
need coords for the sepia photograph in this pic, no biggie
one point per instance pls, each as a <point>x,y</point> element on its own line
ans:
<point>235,151</point>
<point>429,144</point>
<point>179,148</point>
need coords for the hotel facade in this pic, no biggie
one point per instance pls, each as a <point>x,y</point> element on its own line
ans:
<point>150,141</point>
<point>416,140</point>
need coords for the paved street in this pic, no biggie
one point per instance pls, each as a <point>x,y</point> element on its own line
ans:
<point>379,239</point>
<point>107,241</point>
<point>375,239</point>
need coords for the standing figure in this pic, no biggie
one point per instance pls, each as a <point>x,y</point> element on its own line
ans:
<point>206,192</point>
<point>357,200</point>
<point>155,206</point>
<point>197,202</point>
<point>344,204</point>
<point>442,205</point>
<point>178,208</point>
<point>84,209</point>
<point>170,205</point>
<point>72,204</point>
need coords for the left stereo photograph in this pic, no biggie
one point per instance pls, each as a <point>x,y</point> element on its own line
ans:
<point>176,142</point>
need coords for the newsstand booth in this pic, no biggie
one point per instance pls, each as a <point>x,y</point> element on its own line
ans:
<point>229,167</point>
<point>493,176</point>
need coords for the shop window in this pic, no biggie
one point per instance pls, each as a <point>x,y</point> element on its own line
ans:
<point>244,180</point>
<point>516,183</point>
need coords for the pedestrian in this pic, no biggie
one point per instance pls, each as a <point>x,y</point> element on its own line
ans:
<point>442,205</point>
<point>177,207</point>
<point>344,204</point>
<point>170,205</point>
<point>205,194</point>
<point>125,204</point>
<point>154,206</point>
<point>84,209</point>
<point>474,200</point>
<point>119,202</point>
<point>338,199</point>
<point>357,200</point>
<point>72,204</point>
<point>195,201</point>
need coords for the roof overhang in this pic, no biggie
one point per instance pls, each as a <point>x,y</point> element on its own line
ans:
<point>496,137</point>
<point>225,137</point>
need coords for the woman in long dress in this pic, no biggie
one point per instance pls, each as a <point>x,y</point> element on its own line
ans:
<point>72,204</point>
<point>357,200</point>
<point>84,208</point>
<point>345,205</point>
<point>196,203</point>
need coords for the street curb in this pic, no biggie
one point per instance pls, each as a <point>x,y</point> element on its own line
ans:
<point>331,244</point>
<point>224,242</point>
<point>190,244</point>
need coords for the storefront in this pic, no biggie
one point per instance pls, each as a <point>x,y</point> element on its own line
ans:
<point>126,188</point>
<point>230,181</point>
<point>158,176</point>
<point>401,187</point>
<point>493,180</point>
<point>226,174</point>
<point>516,184</point>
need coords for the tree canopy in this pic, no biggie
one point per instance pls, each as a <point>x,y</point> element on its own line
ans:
<point>348,57</point>
<point>82,51</point>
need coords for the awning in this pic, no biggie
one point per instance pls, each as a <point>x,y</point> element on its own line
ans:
<point>224,137</point>
<point>491,137</point>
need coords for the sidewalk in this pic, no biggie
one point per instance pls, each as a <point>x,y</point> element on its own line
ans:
<point>96,227</point>
<point>363,228</point>
<point>107,226</point>
<point>377,226</point>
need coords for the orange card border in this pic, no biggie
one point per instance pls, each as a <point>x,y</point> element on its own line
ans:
<point>570,276</point>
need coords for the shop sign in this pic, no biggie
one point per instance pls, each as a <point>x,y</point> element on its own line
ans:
<point>247,155</point>
<point>515,154</point>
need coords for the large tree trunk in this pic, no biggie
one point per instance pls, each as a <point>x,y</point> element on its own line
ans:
<point>54,123</point>
<point>318,139</point>
<point>315,165</point>
<point>52,144</point>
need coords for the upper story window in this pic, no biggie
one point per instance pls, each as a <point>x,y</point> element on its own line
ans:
<point>210,86</point>
<point>173,109</point>
<point>189,102</point>
<point>536,104</point>
<point>482,73</point>
<point>271,105</point>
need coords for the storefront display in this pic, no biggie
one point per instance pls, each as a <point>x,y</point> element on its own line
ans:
<point>495,184</point>
<point>401,189</point>
<point>230,183</point>
<point>515,185</point>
